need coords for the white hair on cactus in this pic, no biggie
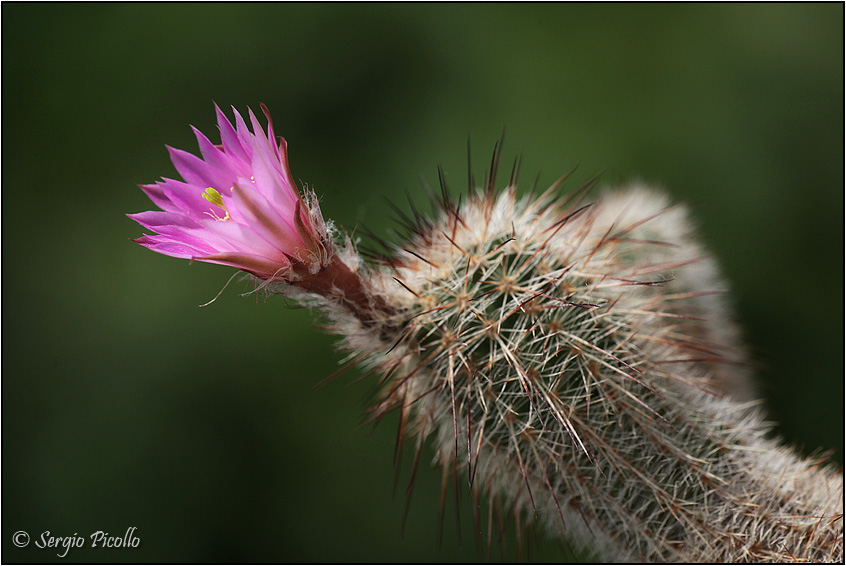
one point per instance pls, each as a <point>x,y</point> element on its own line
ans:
<point>570,361</point>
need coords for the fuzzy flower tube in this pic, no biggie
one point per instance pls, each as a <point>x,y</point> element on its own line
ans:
<point>569,361</point>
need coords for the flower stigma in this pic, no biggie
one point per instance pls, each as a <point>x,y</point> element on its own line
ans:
<point>214,197</point>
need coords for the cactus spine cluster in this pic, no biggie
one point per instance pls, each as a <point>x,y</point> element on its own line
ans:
<point>574,362</point>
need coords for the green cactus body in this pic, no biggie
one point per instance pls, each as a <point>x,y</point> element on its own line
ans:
<point>574,363</point>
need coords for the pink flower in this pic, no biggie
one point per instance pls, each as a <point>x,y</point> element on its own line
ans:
<point>237,206</point>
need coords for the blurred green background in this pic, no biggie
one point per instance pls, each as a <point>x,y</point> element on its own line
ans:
<point>126,405</point>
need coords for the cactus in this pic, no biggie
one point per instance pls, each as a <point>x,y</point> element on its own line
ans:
<point>572,362</point>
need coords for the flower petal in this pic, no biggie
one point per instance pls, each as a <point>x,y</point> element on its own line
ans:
<point>266,221</point>
<point>169,247</point>
<point>198,172</point>
<point>229,138</point>
<point>186,198</point>
<point>156,219</point>
<point>255,264</point>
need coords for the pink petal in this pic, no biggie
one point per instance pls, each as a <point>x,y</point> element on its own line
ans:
<point>215,157</point>
<point>266,221</point>
<point>167,246</point>
<point>233,236</point>
<point>154,219</point>
<point>229,138</point>
<point>244,136</point>
<point>158,197</point>
<point>197,172</point>
<point>186,198</point>
<point>248,262</point>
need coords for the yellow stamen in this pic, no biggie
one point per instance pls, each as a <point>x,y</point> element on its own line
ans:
<point>214,197</point>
